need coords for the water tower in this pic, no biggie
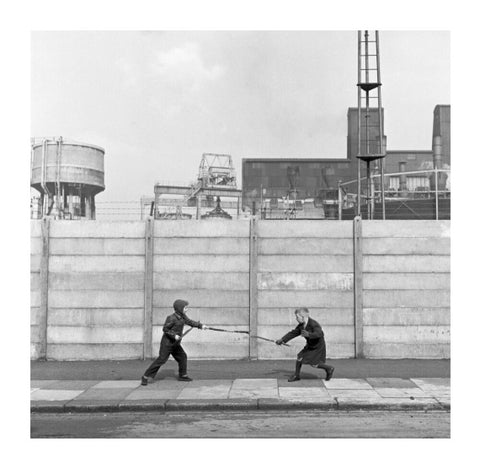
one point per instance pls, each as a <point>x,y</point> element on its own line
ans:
<point>68,175</point>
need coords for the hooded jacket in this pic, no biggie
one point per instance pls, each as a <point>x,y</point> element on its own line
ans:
<point>174,323</point>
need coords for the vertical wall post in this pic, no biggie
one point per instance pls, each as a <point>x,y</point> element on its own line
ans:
<point>44,265</point>
<point>148,311</point>
<point>253,289</point>
<point>358,286</point>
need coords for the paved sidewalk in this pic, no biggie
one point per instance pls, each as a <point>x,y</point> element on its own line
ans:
<point>240,394</point>
<point>108,386</point>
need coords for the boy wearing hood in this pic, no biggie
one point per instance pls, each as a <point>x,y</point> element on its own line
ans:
<point>170,343</point>
<point>314,352</point>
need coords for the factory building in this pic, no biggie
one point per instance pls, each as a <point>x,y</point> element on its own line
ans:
<point>310,188</point>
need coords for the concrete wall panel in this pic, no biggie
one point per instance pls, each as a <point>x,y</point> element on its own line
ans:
<point>34,315</point>
<point>201,280</point>
<point>406,298</point>
<point>202,246</point>
<point>34,281</point>
<point>35,228</point>
<point>406,263</point>
<point>407,316</point>
<point>202,228</point>
<point>95,229</point>
<point>305,246</point>
<point>305,263</point>
<point>84,335</point>
<point>104,281</point>
<point>296,299</point>
<point>95,299</point>
<point>214,263</point>
<point>96,317</point>
<point>409,335</point>
<point>35,298</point>
<point>36,246</point>
<point>307,228</point>
<point>406,246</point>
<point>305,281</point>
<point>412,281</point>
<point>404,228</point>
<point>97,246</point>
<point>201,298</point>
<point>35,263</point>
<point>96,263</point>
<point>94,351</point>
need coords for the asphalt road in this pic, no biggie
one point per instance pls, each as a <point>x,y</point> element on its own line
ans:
<point>255,424</point>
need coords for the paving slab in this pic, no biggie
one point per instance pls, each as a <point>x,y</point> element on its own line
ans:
<point>390,382</point>
<point>254,388</point>
<point>254,383</point>
<point>434,387</point>
<point>118,384</point>
<point>71,385</point>
<point>352,384</point>
<point>206,392</point>
<point>55,395</point>
<point>404,392</point>
<point>104,394</point>
<point>153,393</point>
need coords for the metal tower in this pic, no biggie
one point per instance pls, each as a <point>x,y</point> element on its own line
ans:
<point>371,140</point>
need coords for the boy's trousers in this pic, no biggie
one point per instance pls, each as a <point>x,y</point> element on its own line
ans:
<point>168,348</point>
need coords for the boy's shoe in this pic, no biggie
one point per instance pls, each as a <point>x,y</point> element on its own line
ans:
<point>144,380</point>
<point>330,373</point>
<point>294,378</point>
<point>184,378</point>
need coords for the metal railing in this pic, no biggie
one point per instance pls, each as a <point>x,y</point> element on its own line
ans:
<point>348,199</point>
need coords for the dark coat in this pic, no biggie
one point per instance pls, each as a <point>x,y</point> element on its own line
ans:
<point>174,326</point>
<point>315,350</point>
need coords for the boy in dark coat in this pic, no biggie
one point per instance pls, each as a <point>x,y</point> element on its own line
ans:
<point>314,352</point>
<point>170,343</point>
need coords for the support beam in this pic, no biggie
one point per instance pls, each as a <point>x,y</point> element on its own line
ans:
<point>358,286</point>
<point>148,303</point>
<point>253,289</point>
<point>44,265</point>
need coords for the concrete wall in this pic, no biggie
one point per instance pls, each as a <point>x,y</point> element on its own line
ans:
<point>95,290</point>
<point>102,290</point>
<point>406,281</point>
<point>310,264</point>
<point>206,263</point>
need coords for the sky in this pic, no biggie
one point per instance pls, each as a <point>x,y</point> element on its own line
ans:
<point>156,100</point>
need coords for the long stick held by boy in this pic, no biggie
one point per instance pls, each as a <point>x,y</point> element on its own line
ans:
<point>170,342</point>
<point>315,351</point>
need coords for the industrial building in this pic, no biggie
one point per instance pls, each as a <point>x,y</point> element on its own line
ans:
<point>310,188</point>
